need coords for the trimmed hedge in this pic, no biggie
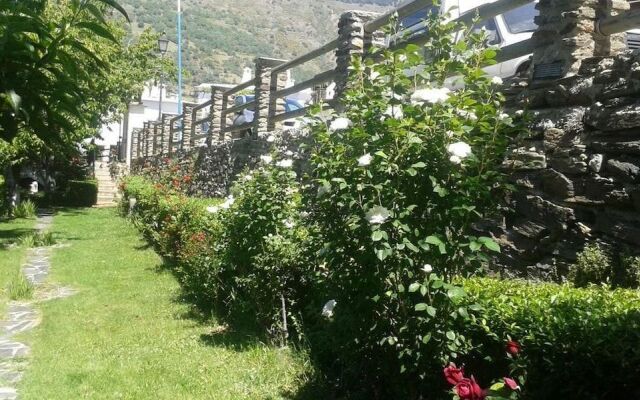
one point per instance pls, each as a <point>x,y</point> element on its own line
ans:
<point>79,194</point>
<point>577,343</point>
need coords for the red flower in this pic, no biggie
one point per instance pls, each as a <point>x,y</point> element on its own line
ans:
<point>511,384</point>
<point>468,389</point>
<point>453,374</point>
<point>513,347</point>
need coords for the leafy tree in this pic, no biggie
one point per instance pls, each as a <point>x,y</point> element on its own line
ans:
<point>63,72</point>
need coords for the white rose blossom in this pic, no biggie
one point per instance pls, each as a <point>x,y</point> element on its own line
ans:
<point>519,113</point>
<point>377,215</point>
<point>285,163</point>
<point>339,124</point>
<point>327,309</point>
<point>496,80</point>
<point>458,152</point>
<point>271,139</point>
<point>213,209</point>
<point>503,117</point>
<point>467,114</point>
<point>266,159</point>
<point>289,224</point>
<point>365,160</point>
<point>432,96</point>
<point>427,268</point>
<point>228,203</point>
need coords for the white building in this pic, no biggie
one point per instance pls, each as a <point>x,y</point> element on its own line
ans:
<point>148,109</point>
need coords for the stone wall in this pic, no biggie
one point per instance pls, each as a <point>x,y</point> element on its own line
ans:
<point>578,172</point>
<point>217,166</point>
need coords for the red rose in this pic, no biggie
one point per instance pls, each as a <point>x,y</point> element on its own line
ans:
<point>453,374</point>
<point>511,384</point>
<point>468,389</point>
<point>513,347</point>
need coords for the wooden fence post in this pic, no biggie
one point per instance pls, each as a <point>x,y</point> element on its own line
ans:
<point>217,104</point>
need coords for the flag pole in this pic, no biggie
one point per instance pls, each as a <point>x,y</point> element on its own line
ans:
<point>179,56</point>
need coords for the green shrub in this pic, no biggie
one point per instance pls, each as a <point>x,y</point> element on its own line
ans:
<point>20,288</point>
<point>593,266</point>
<point>577,343</point>
<point>38,239</point>
<point>80,194</point>
<point>25,209</point>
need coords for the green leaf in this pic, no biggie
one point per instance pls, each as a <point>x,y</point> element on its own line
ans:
<point>489,244</point>
<point>414,287</point>
<point>118,7</point>
<point>421,306</point>
<point>450,335</point>
<point>431,311</point>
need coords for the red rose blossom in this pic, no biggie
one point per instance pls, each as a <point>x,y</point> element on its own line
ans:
<point>511,384</point>
<point>513,347</point>
<point>468,389</point>
<point>453,374</point>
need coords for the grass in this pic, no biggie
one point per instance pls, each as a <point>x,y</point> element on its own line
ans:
<point>37,239</point>
<point>20,288</point>
<point>12,257</point>
<point>127,335</point>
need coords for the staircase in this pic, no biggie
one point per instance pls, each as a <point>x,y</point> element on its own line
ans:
<point>107,189</point>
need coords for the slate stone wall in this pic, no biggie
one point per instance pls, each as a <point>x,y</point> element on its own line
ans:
<point>217,166</point>
<point>578,172</point>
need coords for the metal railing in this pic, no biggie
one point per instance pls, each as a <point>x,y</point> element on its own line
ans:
<point>202,128</point>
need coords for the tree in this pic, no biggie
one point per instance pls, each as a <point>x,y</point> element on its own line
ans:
<point>63,72</point>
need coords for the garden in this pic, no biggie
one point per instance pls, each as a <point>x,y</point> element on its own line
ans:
<point>367,250</point>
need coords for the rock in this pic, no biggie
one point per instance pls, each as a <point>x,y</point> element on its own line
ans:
<point>525,159</point>
<point>546,212</point>
<point>557,184</point>
<point>625,171</point>
<point>615,117</point>
<point>569,119</point>
<point>618,147</point>
<point>568,164</point>
<point>618,198</point>
<point>595,162</point>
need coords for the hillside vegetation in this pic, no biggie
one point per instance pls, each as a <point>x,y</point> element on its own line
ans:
<point>223,36</point>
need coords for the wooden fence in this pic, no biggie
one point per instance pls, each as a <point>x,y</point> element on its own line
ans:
<point>202,124</point>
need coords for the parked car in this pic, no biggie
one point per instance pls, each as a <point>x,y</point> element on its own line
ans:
<point>511,27</point>
<point>247,115</point>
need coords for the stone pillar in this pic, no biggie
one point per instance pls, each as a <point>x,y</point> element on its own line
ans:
<point>265,102</point>
<point>155,131</point>
<point>135,143</point>
<point>567,35</point>
<point>217,104</point>
<point>147,139</point>
<point>276,104</point>
<point>165,134</point>
<point>354,41</point>
<point>187,126</point>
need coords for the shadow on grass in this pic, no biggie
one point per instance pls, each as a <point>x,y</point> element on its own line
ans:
<point>11,236</point>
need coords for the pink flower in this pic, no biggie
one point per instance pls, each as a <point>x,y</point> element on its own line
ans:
<point>511,384</point>
<point>468,389</point>
<point>453,374</point>
<point>513,347</point>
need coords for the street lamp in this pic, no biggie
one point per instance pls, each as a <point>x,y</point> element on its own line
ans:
<point>163,45</point>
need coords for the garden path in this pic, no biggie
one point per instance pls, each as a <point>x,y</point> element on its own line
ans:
<point>23,316</point>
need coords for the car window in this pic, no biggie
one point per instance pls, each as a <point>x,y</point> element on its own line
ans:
<point>520,20</point>
<point>492,31</point>
<point>418,16</point>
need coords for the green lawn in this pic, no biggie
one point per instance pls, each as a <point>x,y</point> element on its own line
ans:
<point>127,335</point>
<point>11,257</point>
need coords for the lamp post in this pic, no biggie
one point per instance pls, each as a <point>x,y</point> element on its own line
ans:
<point>163,45</point>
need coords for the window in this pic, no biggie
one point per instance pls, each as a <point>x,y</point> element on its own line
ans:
<point>418,17</point>
<point>520,20</point>
<point>493,37</point>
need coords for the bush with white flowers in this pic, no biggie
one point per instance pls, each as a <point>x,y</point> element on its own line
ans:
<point>400,177</point>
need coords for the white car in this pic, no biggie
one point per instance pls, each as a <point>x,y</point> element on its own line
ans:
<point>511,27</point>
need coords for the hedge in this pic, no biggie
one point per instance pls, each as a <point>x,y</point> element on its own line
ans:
<point>577,343</point>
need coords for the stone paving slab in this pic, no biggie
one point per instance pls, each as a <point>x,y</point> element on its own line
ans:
<point>22,317</point>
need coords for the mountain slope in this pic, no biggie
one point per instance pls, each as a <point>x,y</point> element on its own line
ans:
<point>222,37</point>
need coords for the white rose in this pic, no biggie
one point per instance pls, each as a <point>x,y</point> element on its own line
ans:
<point>365,160</point>
<point>327,309</point>
<point>427,268</point>
<point>496,80</point>
<point>377,215</point>
<point>228,203</point>
<point>289,224</point>
<point>340,124</point>
<point>460,150</point>
<point>519,113</point>
<point>212,209</point>
<point>271,139</point>
<point>285,163</point>
<point>266,159</point>
<point>432,96</point>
